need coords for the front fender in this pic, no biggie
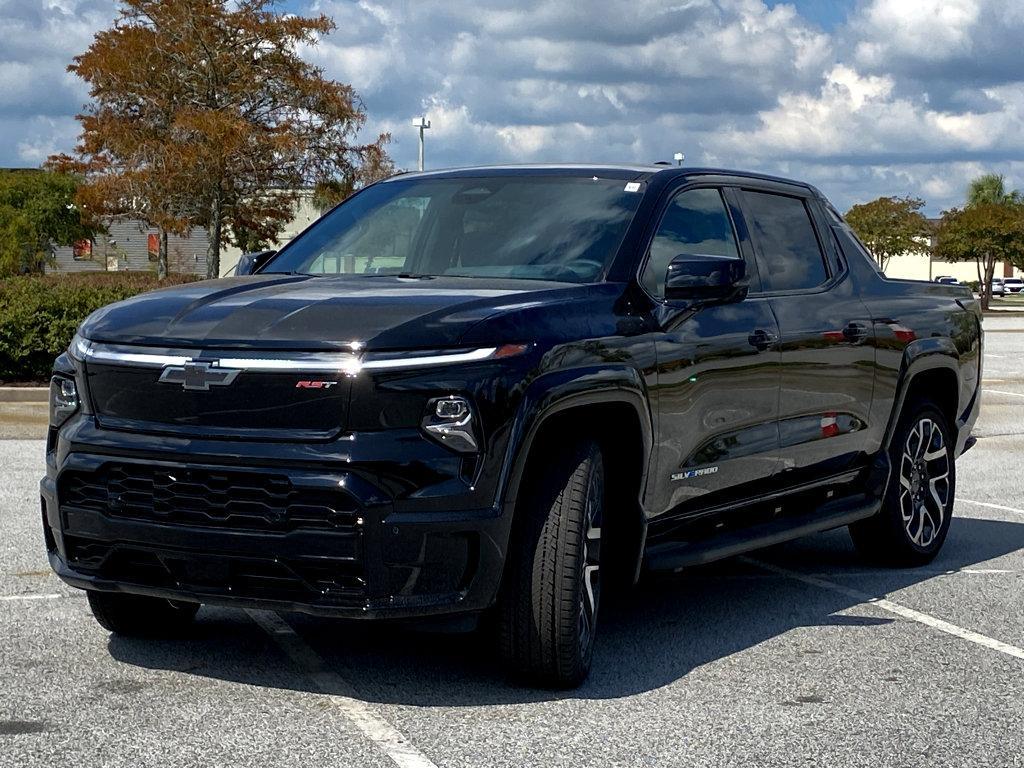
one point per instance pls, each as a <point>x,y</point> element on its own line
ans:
<point>558,391</point>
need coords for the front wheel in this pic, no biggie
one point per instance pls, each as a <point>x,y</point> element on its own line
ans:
<point>918,503</point>
<point>548,609</point>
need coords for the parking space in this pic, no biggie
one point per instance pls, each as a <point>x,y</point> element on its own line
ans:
<point>801,654</point>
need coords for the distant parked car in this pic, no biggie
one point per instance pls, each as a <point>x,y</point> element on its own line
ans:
<point>998,289</point>
<point>948,280</point>
<point>1013,285</point>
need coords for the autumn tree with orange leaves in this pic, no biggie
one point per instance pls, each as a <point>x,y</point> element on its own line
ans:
<point>203,113</point>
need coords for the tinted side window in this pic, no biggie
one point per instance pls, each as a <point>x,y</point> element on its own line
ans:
<point>850,245</point>
<point>787,248</point>
<point>696,222</point>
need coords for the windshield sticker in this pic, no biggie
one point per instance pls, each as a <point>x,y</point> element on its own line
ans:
<point>632,187</point>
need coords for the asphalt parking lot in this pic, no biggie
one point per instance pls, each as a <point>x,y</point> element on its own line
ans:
<point>801,654</point>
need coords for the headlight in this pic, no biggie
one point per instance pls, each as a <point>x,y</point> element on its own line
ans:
<point>64,399</point>
<point>78,348</point>
<point>450,421</point>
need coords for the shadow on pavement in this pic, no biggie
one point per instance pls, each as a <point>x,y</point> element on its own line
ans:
<point>648,638</point>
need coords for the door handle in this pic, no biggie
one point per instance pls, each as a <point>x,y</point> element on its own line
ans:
<point>761,339</point>
<point>855,332</point>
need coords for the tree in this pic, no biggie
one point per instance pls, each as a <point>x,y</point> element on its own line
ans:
<point>376,165</point>
<point>890,226</point>
<point>203,112</point>
<point>37,212</point>
<point>985,233</point>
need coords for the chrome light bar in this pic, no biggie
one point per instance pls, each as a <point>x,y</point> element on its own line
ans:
<point>343,363</point>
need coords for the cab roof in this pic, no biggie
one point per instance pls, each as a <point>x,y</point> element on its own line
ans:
<point>629,171</point>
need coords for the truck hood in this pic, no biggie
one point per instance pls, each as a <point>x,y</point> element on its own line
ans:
<point>317,312</point>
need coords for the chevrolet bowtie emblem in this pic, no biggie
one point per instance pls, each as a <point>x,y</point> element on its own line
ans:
<point>199,375</point>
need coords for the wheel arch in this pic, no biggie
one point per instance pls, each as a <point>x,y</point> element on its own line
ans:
<point>611,406</point>
<point>932,374</point>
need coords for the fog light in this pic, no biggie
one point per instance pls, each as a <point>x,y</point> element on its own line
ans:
<point>63,399</point>
<point>451,408</point>
<point>451,423</point>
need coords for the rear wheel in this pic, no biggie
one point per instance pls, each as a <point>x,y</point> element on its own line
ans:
<point>549,605</point>
<point>918,504</point>
<point>138,615</point>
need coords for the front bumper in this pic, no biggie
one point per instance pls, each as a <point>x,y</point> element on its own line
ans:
<point>280,544</point>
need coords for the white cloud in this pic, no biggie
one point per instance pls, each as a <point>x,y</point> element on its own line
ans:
<point>854,114</point>
<point>904,98</point>
<point>929,30</point>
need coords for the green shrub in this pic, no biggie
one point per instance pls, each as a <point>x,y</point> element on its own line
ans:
<point>40,313</point>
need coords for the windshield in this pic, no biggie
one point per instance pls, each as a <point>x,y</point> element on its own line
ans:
<point>541,227</point>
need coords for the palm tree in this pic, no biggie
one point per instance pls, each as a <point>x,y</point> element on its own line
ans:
<point>991,188</point>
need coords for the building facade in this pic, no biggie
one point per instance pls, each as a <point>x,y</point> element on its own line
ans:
<point>132,245</point>
<point>921,265</point>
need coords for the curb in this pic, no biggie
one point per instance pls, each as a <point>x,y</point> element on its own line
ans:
<point>24,394</point>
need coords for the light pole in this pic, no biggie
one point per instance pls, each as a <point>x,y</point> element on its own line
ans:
<point>423,124</point>
<point>679,157</point>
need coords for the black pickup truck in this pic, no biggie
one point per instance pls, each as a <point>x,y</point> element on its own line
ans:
<point>486,392</point>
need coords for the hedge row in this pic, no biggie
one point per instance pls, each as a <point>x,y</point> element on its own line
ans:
<point>39,314</point>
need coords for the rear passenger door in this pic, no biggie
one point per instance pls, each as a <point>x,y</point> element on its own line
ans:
<point>827,354</point>
<point>718,368</point>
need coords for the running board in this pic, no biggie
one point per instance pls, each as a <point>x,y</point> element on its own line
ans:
<point>672,556</point>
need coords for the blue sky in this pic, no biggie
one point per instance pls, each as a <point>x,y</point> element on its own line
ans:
<point>860,97</point>
<point>828,14</point>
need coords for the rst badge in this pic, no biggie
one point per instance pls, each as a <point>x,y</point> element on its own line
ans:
<point>199,375</point>
<point>314,384</point>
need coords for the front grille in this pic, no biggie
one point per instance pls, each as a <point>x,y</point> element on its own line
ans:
<point>221,498</point>
<point>255,406</point>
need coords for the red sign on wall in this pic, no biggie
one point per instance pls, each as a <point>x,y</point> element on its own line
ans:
<point>81,249</point>
<point>153,246</point>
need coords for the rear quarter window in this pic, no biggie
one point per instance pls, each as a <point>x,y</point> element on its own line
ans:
<point>788,252</point>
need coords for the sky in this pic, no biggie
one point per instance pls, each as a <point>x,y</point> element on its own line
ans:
<point>862,98</point>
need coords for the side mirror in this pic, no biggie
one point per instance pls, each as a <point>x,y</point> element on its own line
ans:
<point>706,278</point>
<point>250,263</point>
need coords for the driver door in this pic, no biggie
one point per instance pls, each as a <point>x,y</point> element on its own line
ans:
<point>718,368</point>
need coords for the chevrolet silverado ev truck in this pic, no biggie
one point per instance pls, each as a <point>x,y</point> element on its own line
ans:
<point>489,392</point>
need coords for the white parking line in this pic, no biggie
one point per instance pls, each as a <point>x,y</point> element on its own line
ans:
<point>1003,392</point>
<point>381,733</point>
<point>991,505</point>
<point>858,574</point>
<point>981,571</point>
<point>898,609</point>
<point>30,597</point>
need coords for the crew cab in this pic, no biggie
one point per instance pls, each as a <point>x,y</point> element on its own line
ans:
<point>491,392</point>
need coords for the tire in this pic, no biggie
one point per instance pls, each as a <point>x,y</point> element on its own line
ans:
<point>141,616</point>
<point>918,504</point>
<point>547,614</point>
